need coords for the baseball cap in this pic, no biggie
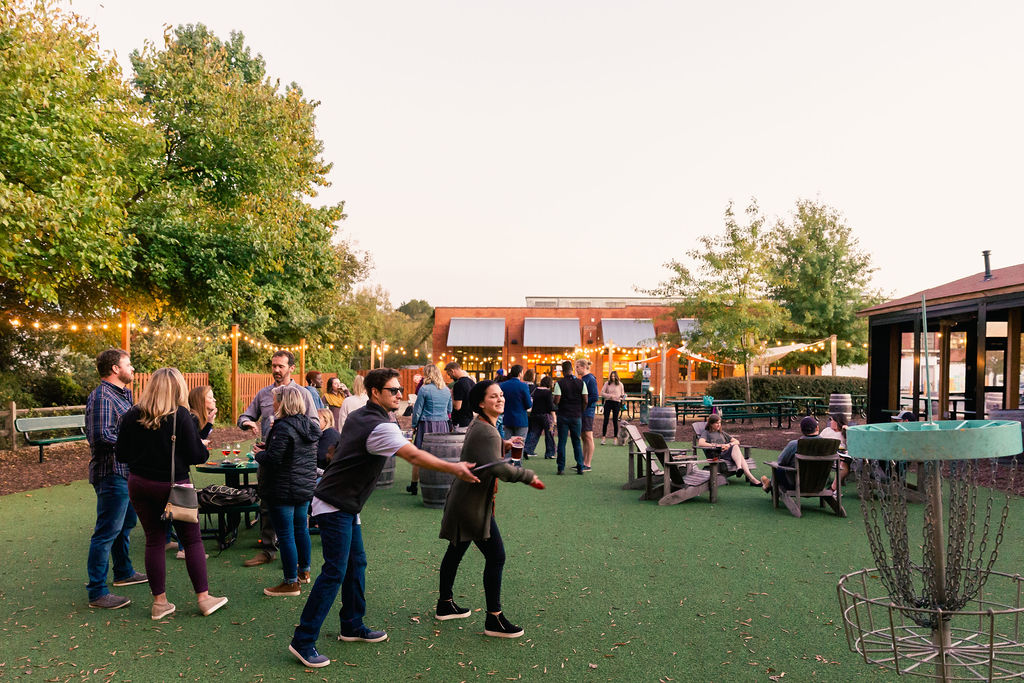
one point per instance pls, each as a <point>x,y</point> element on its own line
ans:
<point>808,425</point>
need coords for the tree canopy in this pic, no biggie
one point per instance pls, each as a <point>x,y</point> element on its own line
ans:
<point>728,291</point>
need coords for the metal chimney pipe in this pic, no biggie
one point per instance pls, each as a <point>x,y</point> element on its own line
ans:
<point>988,266</point>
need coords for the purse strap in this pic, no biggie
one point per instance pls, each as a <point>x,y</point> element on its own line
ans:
<point>174,439</point>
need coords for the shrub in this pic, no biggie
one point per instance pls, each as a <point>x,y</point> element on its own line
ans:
<point>770,387</point>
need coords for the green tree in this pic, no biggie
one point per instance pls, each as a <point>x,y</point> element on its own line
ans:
<point>225,228</point>
<point>728,291</point>
<point>822,277</point>
<point>72,146</point>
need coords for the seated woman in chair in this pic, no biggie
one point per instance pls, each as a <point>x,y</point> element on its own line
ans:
<point>717,443</point>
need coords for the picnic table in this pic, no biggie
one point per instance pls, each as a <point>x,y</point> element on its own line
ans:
<point>631,404</point>
<point>697,408</point>
<point>229,518</point>
<point>806,402</point>
<point>770,409</point>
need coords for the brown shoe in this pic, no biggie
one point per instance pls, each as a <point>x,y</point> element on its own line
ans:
<point>211,604</point>
<point>282,589</point>
<point>262,557</point>
<point>304,577</point>
<point>766,483</point>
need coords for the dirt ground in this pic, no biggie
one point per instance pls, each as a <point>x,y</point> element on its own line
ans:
<point>64,463</point>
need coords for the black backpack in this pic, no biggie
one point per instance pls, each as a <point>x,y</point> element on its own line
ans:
<point>218,496</point>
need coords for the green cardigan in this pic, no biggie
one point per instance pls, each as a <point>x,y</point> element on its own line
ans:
<point>467,511</point>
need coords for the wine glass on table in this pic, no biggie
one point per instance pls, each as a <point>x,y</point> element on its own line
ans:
<point>237,450</point>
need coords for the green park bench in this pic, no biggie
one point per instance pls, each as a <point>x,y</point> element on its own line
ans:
<point>29,426</point>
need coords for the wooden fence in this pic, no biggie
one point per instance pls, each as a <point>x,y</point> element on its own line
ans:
<point>192,380</point>
<point>405,376</point>
<point>250,383</point>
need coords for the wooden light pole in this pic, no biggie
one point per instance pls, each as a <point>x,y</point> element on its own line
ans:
<point>235,394</point>
<point>302,360</point>
<point>126,333</point>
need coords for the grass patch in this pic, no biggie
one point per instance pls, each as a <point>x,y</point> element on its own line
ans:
<point>607,588</point>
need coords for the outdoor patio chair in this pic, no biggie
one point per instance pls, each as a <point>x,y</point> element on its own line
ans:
<point>682,479</point>
<point>817,460</point>
<point>639,468</point>
<point>726,466</point>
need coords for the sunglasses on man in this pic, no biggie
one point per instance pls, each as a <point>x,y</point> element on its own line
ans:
<point>395,391</point>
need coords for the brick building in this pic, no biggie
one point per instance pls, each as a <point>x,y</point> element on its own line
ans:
<point>612,332</point>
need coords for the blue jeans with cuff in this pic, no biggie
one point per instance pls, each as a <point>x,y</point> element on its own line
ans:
<point>115,519</point>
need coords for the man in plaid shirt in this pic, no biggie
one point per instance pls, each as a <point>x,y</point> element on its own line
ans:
<point>115,517</point>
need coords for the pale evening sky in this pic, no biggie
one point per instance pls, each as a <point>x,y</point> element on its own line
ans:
<point>487,151</point>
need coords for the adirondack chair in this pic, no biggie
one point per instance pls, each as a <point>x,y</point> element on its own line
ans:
<point>726,466</point>
<point>681,476</point>
<point>816,460</point>
<point>639,468</point>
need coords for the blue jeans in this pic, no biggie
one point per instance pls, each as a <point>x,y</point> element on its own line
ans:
<point>345,569</point>
<point>115,519</point>
<point>292,538</point>
<point>570,426</point>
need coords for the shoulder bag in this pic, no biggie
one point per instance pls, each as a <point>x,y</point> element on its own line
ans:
<point>182,500</point>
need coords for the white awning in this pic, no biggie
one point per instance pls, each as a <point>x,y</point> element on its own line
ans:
<point>775,353</point>
<point>628,331</point>
<point>686,325</point>
<point>476,332</point>
<point>561,333</point>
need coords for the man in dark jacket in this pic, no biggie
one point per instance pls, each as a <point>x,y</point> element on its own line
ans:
<point>570,397</point>
<point>516,418</point>
<point>369,438</point>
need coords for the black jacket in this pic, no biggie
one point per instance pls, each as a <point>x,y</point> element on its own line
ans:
<point>288,464</point>
<point>147,452</point>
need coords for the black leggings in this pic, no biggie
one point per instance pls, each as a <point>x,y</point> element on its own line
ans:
<point>611,409</point>
<point>494,562</point>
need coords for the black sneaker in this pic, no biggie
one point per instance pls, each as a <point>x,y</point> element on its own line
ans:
<point>447,609</point>
<point>136,577</point>
<point>363,635</point>
<point>499,627</point>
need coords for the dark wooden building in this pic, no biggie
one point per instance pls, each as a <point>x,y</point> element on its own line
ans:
<point>976,319</point>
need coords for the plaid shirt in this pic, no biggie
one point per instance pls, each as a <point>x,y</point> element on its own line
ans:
<point>103,411</point>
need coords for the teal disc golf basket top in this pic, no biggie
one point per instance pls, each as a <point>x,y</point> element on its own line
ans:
<point>933,606</point>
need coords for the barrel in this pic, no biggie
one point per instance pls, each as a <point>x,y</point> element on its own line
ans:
<point>434,484</point>
<point>841,403</point>
<point>663,421</point>
<point>387,475</point>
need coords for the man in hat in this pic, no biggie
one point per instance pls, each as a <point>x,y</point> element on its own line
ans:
<point>787,458</point>
<point>905,416</point>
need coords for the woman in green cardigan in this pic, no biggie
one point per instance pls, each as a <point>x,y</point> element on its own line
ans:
<point>469,511</point>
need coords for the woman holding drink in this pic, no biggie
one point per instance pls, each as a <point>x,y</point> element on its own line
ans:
<point>469,512</point>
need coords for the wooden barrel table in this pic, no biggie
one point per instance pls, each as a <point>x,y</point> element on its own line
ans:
<point>433,484</point>
<point>387,475</point>
<point>663,421</point>
<point>841,403</point>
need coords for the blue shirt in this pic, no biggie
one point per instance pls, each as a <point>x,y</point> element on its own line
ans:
<point>103,411</point>
<point>592,394</point>
<point>433,403</point>
<point>318,402</point>
<point>517,402</point>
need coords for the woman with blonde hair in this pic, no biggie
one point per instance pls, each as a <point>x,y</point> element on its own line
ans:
<point>144,443</point>
<point>354,402</point>
<point>329,438</point>
<point>431,413</point>
<point>287,478</point>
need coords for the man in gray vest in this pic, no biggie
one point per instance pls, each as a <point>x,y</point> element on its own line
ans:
<point>369,438</point>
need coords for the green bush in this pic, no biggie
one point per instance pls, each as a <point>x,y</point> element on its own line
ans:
<point>58,389</point>
<point>770,387</point>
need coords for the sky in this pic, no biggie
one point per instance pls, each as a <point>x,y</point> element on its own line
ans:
<point>489,151</point>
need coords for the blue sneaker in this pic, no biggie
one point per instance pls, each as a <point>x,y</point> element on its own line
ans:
<point>363,635</point>
<point>310,657</point>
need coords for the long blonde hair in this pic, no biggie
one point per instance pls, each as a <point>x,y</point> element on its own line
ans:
<point>289,400</point>
<point>197,404</point>
<point>358,386</point>
<point>431,375</point>
<point>163,394</point>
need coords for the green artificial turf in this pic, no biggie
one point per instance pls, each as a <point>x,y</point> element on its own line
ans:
<point>606,586</point>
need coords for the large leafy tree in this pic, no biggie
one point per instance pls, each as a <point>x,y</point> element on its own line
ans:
<point>225,228</point>
<point>73,145</point>
<point>727,290</point>
<point>822,277</point>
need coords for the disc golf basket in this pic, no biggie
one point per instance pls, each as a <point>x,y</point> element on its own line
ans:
<point>943,614</point>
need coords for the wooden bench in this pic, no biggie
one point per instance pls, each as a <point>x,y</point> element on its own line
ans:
<point>31,425</point>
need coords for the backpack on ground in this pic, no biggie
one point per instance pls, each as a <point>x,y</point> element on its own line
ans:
<point>220,496</point>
